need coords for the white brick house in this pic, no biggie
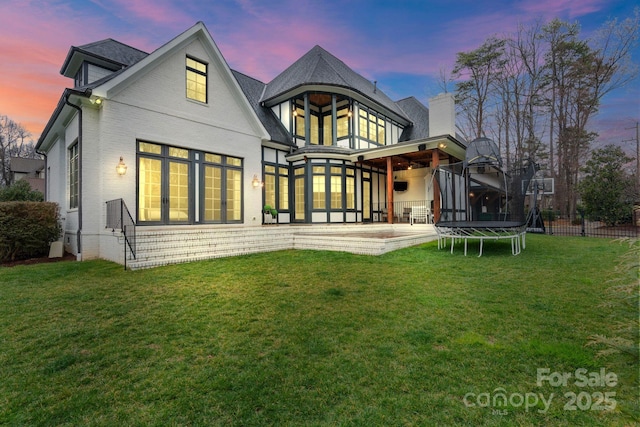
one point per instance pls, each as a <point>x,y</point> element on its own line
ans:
<point>207,146</point>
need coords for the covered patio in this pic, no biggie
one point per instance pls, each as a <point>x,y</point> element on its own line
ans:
<point>408,166</point>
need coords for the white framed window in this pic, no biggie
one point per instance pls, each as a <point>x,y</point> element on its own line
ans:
<point>73,176</point>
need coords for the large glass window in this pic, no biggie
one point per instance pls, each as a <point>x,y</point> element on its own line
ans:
<point>163,183</point>
<point>336,188</point>
<point>222,188</point>
<point>328,117</point>
<point>178,191</point>
<point>343,122</point>
<point>366,195</point>
<point>372,127</point>
<point>298,116</point>
<point>196,80</point>
<point>299,194</point>
<point>350,190</point>
<point>150,189</point>
<point>276,187</point>
<point>212,193</point>
<point>283,185</point>
<point>319,188</point>
<point>270,185</point>
<point>234,195</point>
<point>73,176</point>
<point>166,191</point>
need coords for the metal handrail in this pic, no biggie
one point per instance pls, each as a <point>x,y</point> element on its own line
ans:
<point>119,217</point>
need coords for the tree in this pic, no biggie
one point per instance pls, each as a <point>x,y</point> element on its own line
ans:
<point>14,142</point>
<point>607,190</point>
<point>482,68</point>
<point>520,86</point>
<point>579,73</point>
<point>543,77</point>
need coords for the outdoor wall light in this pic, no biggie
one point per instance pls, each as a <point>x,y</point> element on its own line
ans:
<point>121,168</point>
<point>256,182</point>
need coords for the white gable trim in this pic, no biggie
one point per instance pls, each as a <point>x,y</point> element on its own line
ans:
<point>139,69</point>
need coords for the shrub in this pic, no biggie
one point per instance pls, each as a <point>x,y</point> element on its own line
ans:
<point>27,229</point>
<point>20,190</point>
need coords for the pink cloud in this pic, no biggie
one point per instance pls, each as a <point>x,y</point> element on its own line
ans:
<point>561,8</point>
<point>162,12</point>
<point>253,47</point>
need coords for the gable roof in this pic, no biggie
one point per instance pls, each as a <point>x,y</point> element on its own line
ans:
<point>113,84</point>
<point>139,63</point>
<point>109,53</point>
<point>320,68</point>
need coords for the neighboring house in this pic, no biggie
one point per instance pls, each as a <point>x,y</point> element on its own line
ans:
<point>30,170</point>
<point>204,144</point>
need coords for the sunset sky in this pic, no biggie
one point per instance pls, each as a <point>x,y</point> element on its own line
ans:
<point>403,44</point>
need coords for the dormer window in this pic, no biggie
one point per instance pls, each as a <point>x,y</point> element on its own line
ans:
<point>79,79</point>
<point>196,80</point>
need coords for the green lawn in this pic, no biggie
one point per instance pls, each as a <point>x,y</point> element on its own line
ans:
<point>304,338</point>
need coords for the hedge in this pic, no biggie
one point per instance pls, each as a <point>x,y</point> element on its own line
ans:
<point>27,229</point>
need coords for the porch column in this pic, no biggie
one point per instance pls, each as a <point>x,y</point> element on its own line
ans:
<point>389,191</point>
<point>435,161</point>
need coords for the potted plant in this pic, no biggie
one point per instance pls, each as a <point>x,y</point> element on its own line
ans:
<point>268,210</point>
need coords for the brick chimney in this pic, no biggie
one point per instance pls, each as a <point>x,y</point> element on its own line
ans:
<point>442,115</point>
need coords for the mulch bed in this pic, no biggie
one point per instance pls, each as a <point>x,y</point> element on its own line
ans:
<point>41,260</point>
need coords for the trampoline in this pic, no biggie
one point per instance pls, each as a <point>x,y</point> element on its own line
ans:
<point>480,201</point>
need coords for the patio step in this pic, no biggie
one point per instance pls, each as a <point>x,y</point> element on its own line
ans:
<point>162,246</point>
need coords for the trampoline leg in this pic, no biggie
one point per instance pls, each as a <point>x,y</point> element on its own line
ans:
<point>481,241</point>
<point>465,247</point>
<point>524,243</point>
<point>453,240</point>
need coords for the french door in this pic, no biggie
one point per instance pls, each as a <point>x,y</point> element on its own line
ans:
<point>164,186</point>
<point>180,186</point>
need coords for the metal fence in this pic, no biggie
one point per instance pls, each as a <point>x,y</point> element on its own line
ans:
<point>548,222</point>
<point>580,225</point>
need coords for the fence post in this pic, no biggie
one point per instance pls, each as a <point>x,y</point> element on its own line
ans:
<point>550,221</point>
<point>124,231</point>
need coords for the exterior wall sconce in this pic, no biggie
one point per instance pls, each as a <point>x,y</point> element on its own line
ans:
<point>255,182</point>
<point>121,168</point>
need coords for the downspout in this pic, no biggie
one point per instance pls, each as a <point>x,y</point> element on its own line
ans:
<point>79,232</point>
<point>46,174</point>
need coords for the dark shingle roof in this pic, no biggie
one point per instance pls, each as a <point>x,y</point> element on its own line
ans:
<point>23,165</point>
<point>319,67</point>
<point>108,51</point>
<point>115,51</point>
<point>419,115</point>
<point>253,89</point>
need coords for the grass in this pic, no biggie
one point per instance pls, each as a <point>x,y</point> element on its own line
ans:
<point>310,338</point>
